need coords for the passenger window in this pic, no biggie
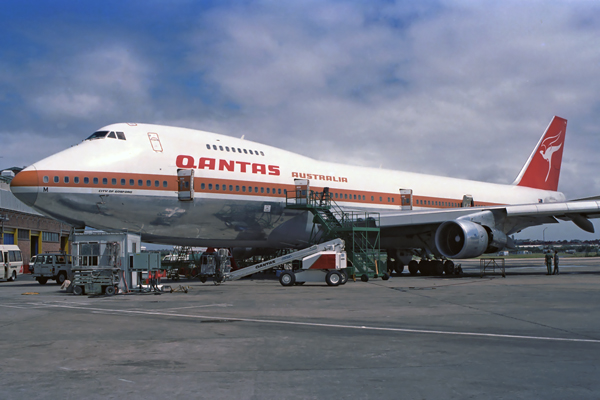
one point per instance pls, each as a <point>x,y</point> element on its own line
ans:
<point>279,191</point>
<point>208,146</point>
<point>112,135</point>
<point>164,183</point>
<point>114,181</point>
<point>249,189</point>
<point>104,181</point>
<point>262,189</point>
<point>268,190</point>
<point>239,150</point>
<point>221,148</point>
<point>66,179</point>
<point>122,182</point>
<point>243,188</point>
<point>131,182</point>
<point>250,151</point>
<point>148,183</point>
<point>203,186</point>
<point>140,182</point>
<point>237,188</point>
<point>233,149</point>
<point>214,146</point>
<point>46,180</point>
<point>210,186</point>
<point>226,148</point>
<point>156,183</point>
<point>56,179</point>
<point>217,186</point>
<point>262,154</point>
<point>76,179</point>
<point>231,188</point>
<point>245,152</point>
<point>95,181</point>
<point>121,136</point>
<point>86,180</point>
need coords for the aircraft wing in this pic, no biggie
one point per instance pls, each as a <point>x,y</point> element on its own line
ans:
<point>441,228</point>
<point>522,216</point>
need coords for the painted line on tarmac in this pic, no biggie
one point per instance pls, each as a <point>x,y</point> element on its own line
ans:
<point>320,325</point>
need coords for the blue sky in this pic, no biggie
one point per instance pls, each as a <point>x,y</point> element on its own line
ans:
<point>456,88</point>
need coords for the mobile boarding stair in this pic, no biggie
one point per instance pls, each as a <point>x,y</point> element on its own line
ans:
<point>321,262</point>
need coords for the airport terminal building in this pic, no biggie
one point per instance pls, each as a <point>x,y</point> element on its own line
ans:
<point>30,230</point>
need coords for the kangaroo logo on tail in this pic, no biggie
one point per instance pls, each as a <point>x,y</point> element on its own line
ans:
<point>542,169</point>
<point>549,146</point>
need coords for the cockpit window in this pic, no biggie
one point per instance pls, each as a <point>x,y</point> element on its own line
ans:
<point>98,135</point>
<point>105,134</point>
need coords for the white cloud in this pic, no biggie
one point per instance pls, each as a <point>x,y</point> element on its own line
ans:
<point>464,89</point>
<point>85,85</point>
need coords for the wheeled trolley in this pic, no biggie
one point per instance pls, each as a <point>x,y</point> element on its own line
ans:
<point>95,281</point>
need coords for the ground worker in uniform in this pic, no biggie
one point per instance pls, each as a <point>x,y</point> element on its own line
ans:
<point>555,262</point>
<point>549,263</point>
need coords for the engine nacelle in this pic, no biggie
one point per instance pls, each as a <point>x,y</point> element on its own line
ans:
<point>461,239</point>
<point>496,240</point>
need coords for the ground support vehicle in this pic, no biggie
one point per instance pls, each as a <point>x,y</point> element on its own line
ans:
<point>95,281</point>
<point>323,262</point>
<point>11,262</point>
<point>56,266</point>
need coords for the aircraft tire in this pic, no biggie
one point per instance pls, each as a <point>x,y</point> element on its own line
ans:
<point>449,267</point>
<point>424,267</point>
<point>399,267</point>
<point>413,267</point>
<point>437,267</point>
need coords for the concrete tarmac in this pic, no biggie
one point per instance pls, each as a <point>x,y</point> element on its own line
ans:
<point>526,336</point>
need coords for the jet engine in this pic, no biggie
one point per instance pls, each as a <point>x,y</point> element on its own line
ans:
<point>466,239</point>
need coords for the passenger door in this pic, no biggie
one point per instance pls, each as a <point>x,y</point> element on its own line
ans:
<point>185,184</point>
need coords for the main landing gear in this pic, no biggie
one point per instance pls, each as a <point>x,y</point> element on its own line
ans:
<point>433,267</point>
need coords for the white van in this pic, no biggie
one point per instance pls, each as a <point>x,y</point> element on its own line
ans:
<point>11,262</point>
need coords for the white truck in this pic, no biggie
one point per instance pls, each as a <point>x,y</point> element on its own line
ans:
<point>47,266</point>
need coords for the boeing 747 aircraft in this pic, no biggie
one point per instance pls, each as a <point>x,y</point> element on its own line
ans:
<point>186,187</point>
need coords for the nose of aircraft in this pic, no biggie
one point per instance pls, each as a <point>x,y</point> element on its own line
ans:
<point>25,185</point>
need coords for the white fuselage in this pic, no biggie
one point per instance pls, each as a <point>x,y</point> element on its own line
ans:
<point>239,188</point>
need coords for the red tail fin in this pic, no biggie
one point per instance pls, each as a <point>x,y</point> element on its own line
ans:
<point>542,169</point>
